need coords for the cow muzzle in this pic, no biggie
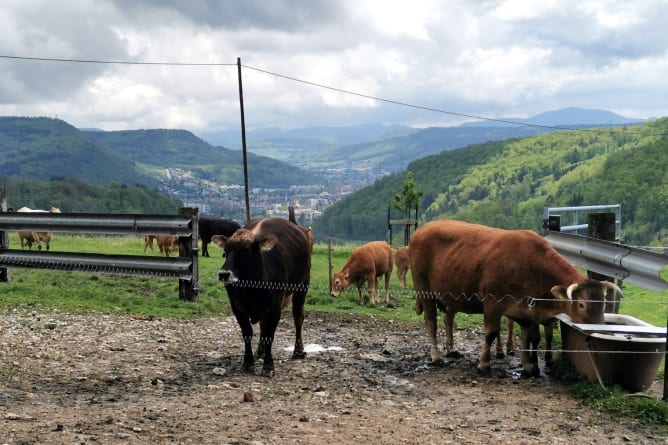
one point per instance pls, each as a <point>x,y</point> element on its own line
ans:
<point>227,277</point>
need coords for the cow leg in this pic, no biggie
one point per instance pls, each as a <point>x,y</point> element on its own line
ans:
<point>248,364</point>
<point>530,336</point>
<point>510,339</point>
<point>388,276</point>
<point>492,329</point>
<point>268,327</point>
<point>449,323</point>
<point>429,308</point>
<point>205,249</point>
<point>359,292</point>
<point>548,327</point>
<point>372,279</point>
<point>298,300</point>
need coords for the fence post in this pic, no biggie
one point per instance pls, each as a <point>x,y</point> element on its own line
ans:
<point>189,289</point>
<point>330,266</point>
<point>602,226</point>
<point>4,237</point>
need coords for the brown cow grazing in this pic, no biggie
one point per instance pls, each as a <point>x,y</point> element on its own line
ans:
<point>168,244</point>
<point>366,263</point>
<point>402,261</point>
<point>28,238</point>
<point>462,267</point>
<point>267,263</point>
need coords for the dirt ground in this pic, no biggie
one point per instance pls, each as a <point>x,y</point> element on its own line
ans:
<point>99,379</point>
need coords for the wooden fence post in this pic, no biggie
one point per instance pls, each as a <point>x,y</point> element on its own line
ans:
<point>4,237</point>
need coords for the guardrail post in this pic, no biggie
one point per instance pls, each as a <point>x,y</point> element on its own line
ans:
<point>4,237</point>
<point>602,226</point>
<point>189,289</point>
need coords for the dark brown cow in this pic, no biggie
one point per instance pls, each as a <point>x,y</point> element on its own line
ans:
<point>267,263</point>
<point>462,267</point>
<point>402,261</point>
<point>208,227</point>
<point>366,263</point>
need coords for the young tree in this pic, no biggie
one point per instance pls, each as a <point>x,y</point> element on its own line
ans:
<point>409,197</point>
<point>406,200</point>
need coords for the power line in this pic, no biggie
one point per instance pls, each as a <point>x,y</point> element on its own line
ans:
<point>113,62</point>
<point>319,85</point>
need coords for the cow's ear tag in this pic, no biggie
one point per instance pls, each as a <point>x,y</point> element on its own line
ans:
<point>559,292</point>
<point>267,243</point>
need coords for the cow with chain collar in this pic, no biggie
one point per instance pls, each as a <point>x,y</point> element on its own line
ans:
<point>267,265</point>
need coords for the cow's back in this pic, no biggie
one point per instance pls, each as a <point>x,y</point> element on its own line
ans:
<point>461,258</point>
<point>375,256</point>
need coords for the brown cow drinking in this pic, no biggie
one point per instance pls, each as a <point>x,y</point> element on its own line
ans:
<point>267,264</point>
<point>366,263</point>
<point>462,267</point>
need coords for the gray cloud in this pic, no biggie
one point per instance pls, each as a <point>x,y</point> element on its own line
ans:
<point>492,58</point>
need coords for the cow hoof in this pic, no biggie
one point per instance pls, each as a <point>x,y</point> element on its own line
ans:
<point>268,373</point>
<point>531,373</point>
<point>454,354</point>
<point>248,369</point>
<point>297,355</point>
<point>439,362</point>
<point>485,370</point>
<point>500,355</point>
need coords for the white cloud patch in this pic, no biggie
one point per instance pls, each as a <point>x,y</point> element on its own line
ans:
<point>490,58</point>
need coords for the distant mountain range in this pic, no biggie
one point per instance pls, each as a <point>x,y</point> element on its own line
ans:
<point>571,117</point>
<point>391,148</point>
<point>43,148</point>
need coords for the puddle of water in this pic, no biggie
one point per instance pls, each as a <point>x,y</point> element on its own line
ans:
<point>311,348</point>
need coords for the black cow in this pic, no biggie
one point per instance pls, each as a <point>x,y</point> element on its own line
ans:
<point>209,227</point>
<point>267,263</point>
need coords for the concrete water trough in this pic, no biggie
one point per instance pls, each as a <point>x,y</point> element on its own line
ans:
<point>624,351</point>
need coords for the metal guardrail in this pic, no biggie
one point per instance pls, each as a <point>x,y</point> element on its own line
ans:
<point>184,267</point>
<point>97,223</point>
<point>637,266</point>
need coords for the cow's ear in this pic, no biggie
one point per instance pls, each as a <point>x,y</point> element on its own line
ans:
<point>559,292</point>
<point>219,241</point>
<point>267,242</point>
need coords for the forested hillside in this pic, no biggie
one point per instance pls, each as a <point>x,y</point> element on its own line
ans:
<point>71,195</point>
<point>508,183</point>
<point>44,148</point>
<point>182,149</point>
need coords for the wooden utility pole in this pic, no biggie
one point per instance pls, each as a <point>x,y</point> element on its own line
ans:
<point>243,139</point>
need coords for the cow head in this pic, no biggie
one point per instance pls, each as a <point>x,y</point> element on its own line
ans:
<point>340,282</point>
<point>243,255</point>
<point>588,299</point>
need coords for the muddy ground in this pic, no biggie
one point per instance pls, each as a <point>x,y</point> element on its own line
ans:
<point>100,379</point>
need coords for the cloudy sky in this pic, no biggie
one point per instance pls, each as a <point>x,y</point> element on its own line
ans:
<point>490,58</point>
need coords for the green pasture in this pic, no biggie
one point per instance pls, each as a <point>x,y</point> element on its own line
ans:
<point>79,292</point>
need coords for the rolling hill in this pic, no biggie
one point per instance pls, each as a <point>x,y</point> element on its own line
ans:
<point>43,148</point>
<point>508,183</point>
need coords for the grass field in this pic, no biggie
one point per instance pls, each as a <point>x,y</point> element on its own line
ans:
<point>79,291</point>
